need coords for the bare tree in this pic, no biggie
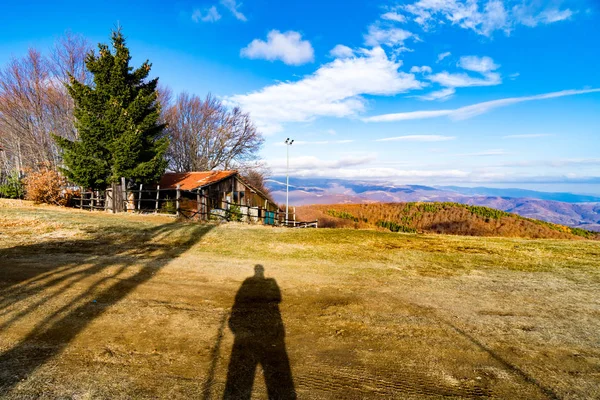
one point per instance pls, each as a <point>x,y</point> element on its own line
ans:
<point>34,103</point>
<point>205,135</point>
<point>256,174</point>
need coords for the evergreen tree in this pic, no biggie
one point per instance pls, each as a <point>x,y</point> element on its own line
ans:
<point>117,120</point>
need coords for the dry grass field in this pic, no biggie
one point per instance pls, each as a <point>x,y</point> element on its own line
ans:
<point>94,305</point>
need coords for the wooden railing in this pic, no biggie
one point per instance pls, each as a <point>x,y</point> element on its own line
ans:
<point>150,200</point>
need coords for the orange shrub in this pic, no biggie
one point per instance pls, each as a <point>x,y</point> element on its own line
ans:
<point>45,186</point>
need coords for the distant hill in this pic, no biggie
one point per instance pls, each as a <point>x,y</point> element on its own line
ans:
<point>523,193</point>
<point>437,217</point>
<point>575,210</point>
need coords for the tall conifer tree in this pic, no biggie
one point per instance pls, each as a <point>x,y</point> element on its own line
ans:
<point>117,120</point>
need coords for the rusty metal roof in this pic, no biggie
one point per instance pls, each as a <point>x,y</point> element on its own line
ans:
<point>193,180</point>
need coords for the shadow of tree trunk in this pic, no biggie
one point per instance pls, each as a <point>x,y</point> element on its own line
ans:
<point>121,250</point>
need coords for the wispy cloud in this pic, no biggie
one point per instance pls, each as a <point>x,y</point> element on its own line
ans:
<point>378,35</point>
<point>484,66</point>
<point>475,109</point>
<point>315,163</point>
<point>417,138</point>
<point>388,173</point>
<point>526,15</point>
<point>393,16</point>
<point>421,70</point>
<point>233,6</point>
<point>442,95</point>
<point>287,47</point>
<point>441,56</point>
<point>317,142</point>
<point>209,15</point>
<point>527,136</point>
<point>485,153</point>
<point>463,80</point>
<point>558,163</point>
<point>477,64</point>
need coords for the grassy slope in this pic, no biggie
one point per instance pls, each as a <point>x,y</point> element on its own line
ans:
<point>95,305</point>
<point>436,217</point>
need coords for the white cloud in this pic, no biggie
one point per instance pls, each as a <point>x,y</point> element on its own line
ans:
<point>441,56</point>
<point>334,90</point>
<point>232,6</point>
<point>209,15</point>
<point>483,17</point>
<point>475,109</point>
<point>514,76</point>
<point>393,16</point>
<point>287,47</point>
<point>477,64</point>
<point>341,51</point>
<point>447,79</point>
<point>417,138</point>
<point>527,136</point>
<point>443,94</point>
<point>419,70</point>
<point>393,37</point>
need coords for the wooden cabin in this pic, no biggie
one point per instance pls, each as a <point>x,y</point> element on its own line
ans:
<point>215,192</point>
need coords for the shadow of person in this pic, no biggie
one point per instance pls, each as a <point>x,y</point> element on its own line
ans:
<point>259,339</point>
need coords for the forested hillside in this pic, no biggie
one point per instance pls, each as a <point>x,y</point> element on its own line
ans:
<point>439,217</point>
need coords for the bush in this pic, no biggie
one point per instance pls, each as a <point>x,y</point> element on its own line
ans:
<point>13,188</point>
<point>394,227</point>
<point>45,186</point>
<point>345,215</point>
<point>168,206</point>
<point>233,213</point>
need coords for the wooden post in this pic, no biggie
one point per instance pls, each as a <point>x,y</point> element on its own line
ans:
<point>114,197</point>
<point>204,206</point>
<point>80,198</point>
<point>156,204</point>
<point>124,191</point>
<point>177,200</point>
<point>140,199</point>
<point>294,216</point>
<point>198,205</point>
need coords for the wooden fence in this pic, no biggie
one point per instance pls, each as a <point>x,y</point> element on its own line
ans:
<point>119,198</point>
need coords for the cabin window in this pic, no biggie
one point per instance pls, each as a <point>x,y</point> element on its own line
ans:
<point>238,197</point>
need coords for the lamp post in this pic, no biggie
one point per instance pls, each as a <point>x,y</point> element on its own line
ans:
<point>288,143</point>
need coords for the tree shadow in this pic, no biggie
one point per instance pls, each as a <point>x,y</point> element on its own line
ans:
<point>33,275</point>
<point>259,339</point>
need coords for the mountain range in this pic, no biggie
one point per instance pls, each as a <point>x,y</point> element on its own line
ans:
<point>575,210</point>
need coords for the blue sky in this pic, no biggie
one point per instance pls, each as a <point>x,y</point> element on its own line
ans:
<point>488,92</point>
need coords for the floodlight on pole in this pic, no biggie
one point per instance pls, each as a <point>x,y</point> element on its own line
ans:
<point>288,143</point>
